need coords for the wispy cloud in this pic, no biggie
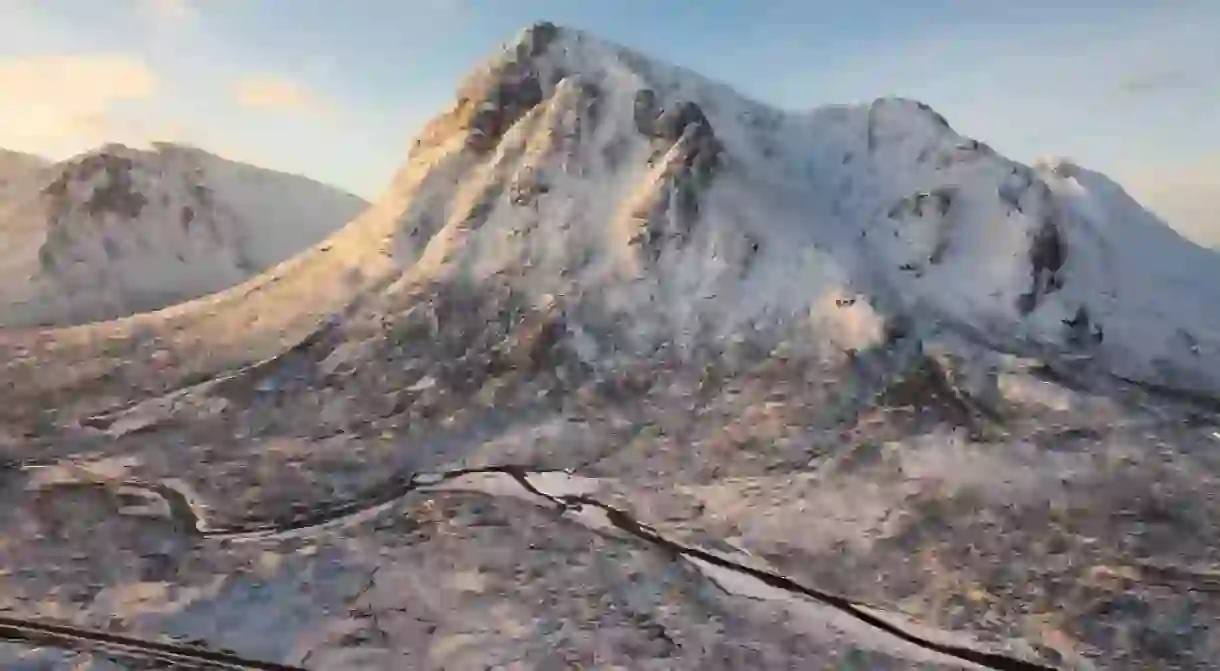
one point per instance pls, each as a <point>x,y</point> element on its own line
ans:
<point>172,11</point>
<point>1160,81</point>
<point>277,93</point>
<point>57,100</point>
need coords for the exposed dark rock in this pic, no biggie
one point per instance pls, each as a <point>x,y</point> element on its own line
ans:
<point>1047,255</point>
<point>117,197</point>
<point>491,102</point>
<point>478,213</point>
<point>1082,331</point>
<point>509,100</point>
<point>673,121</point>
<point>558,74</point>
<point>1026,303</point>
<point>1080,319</point>
<point>536,347</point>
<point>940,120</point>
<point>929,389</point>
<point>525,94</point>
<point>702,149</point>
<point>537,38</point>
<point>897,328</point>
<point>46,259</point>
<point>203,195</point>
<point>1047,251</point>
<point>645,111</point>
<point>939,200</point>
<point>1065,169</point>
<point>688,173</point>
<point>687,198</point>
<point>870,132</point>
<point>58,188</point>
<point>590,112</point>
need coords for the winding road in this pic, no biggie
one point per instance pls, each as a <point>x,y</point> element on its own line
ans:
<point>380,498</point>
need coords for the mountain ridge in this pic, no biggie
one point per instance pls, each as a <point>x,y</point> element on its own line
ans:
<point>856,193</point>
<point>118,230</point>
<point>941,223</point>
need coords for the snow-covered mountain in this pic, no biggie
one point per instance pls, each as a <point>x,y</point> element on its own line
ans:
<point>16,166</point>
<point>656,207</point>
<point>120,230</point>
<point>704,384</point>
<point>645,195</point>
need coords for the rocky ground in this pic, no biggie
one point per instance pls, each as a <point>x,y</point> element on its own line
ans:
<point>383,498</point>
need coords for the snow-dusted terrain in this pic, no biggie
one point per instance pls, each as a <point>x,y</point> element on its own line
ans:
<point>721,217</point>
<point>16,167</point>
<point>626,371</point>
<point>120,230</point>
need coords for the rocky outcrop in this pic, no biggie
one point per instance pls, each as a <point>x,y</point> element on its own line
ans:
<point>645,111</point>
<point>1047,254</point>
<point>683,140</point>
<point>493,100</point>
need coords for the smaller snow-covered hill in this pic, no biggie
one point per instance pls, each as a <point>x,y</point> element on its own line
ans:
<point>119,230</point>
<point>16,166</point>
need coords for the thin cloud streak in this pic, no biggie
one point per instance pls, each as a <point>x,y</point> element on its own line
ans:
<point>51,101</point>
<point>273,92</point>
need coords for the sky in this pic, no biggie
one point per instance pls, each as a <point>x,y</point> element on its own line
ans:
<point>336,90</point>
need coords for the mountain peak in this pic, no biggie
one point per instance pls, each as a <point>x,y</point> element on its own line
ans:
<point>583,168</point>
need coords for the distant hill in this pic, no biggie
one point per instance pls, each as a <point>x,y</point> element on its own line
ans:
<point>118,230</point>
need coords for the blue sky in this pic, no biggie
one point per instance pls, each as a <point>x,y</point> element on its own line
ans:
<point>335,90</point>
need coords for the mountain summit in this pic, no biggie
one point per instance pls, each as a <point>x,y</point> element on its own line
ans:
<point>657,208</point>
<point>649,195</point>
<point>120,230</point>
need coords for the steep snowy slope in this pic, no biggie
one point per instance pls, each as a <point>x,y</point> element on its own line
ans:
<point>120,230</point>
<point>645,195</point>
